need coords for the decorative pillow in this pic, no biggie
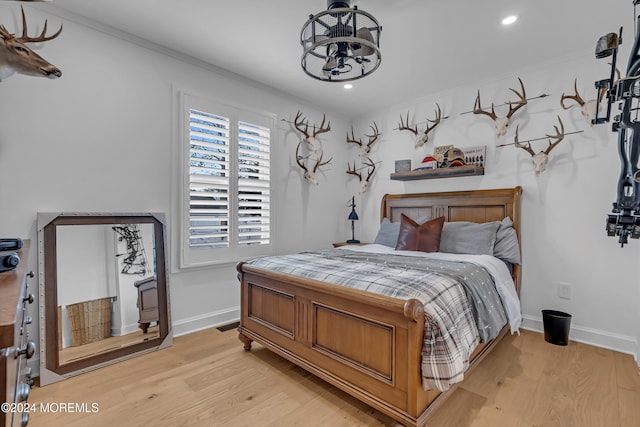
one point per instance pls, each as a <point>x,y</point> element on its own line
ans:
<point>507,248</point>
<point>463,237</point>
<point>419,237</point>
<point>388,233</point>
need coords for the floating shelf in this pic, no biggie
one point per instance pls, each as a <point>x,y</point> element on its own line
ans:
<point>438,173</point>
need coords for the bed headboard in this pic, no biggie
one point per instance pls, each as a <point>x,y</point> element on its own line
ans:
<point>475,206</point>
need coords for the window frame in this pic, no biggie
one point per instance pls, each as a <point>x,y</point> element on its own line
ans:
<point>189,257</point>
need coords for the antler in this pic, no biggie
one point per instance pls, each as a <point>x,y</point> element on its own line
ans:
<point>374,134</point>
<point>369,172</point>
<point>403,126</point>
<point>322,129</point>
<point>559,136</point>
<point>353,171</point>
<point>526,147</point>
<point>353,139</point>
<point>520,103</point>
<point>41,38</point>
<point>319,162</point>
<point>477,109</point>
<point>298,125</point>
<point>603,90</point>
<point>575,97</point>
<point>4,33</point>
<point>299,157</point>
<point>435,122</point>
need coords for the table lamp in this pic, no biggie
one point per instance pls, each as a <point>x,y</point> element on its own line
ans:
<point>353,216</point>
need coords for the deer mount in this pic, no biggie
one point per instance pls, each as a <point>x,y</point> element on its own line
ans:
<point>541,158</point>
<point>364,182</point>
<point>364,148</point>
<point>502,123</point>
<point>301,121</point>
<point>310,171</point>
<point>311,162</point>
<point>423,138</point>
<point>588,109</point>
<point>16,57</point>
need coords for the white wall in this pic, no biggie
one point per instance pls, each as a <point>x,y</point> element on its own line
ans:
<point>102,139</point>
<point>563,209</point>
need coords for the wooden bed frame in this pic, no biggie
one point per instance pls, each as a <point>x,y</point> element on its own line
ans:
<point>366,344</point>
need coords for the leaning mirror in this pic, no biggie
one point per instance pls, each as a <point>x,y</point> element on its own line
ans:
<point>103,290</point>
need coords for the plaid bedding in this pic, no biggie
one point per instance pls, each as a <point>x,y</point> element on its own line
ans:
<point>461,304</point>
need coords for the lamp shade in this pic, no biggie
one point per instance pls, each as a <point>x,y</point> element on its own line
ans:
<point>353,216</point>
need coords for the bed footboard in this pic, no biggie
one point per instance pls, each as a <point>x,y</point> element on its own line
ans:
<point>375,357</point>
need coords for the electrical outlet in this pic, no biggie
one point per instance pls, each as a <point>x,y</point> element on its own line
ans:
<point>564,290</point>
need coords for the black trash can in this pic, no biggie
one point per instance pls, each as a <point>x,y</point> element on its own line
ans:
<point>556,326</point>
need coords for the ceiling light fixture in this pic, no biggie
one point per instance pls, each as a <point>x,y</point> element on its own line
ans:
<point>509,20</point>
<point>348,86</point>
<point>341,43</point>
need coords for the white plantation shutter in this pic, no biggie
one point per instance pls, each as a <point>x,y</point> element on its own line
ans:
<point>253,184</point>
<point>209,180</point>
<point>226,192</point>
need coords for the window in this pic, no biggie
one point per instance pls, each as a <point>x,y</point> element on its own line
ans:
<point>226,187</point>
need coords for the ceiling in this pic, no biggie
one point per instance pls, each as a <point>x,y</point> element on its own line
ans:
<point>427,45</point>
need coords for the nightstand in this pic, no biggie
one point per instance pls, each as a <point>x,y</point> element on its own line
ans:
<point>338,244</point>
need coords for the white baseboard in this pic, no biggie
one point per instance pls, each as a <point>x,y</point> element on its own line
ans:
<point>205,321</point>
<point>128,329</point>
<point>612,341</point>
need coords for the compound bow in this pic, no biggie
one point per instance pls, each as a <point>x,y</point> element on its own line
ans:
<point>624,219</point>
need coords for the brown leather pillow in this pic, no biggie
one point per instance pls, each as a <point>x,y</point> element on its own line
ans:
<point>419,237</point>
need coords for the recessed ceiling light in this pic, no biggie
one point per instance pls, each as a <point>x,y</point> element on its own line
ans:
<point>348,86</point>
<point>509,20</point>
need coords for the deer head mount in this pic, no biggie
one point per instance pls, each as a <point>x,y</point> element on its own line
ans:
<point>421,139</point>
<point>365,148</point>
<point>541,159</point>
<point>16,57</point>
<point>310,173</point>
<point>302,125</point>
<point>371,168</point>
<point>587,108</point>
<point>502,123</point>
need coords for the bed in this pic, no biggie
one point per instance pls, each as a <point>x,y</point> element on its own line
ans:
<point>367,344</point>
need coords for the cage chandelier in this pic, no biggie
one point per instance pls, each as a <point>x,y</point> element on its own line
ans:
<point>341,43</point>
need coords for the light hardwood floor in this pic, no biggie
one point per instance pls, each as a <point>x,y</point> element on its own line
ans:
<point>207,379</point>
<point>73,353</point>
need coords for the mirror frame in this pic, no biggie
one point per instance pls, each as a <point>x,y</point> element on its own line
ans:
<point>50,368</point>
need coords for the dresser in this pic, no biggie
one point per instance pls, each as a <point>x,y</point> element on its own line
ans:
<point>15,345</point>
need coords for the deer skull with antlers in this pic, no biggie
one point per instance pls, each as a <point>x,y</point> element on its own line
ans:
<point>310,175</point>
<point>16,57</point>
<point>541,159</point>
<point>588,108</point>
<point>364,184</point>
<point>311,138</point>
<point>502,123</point>
<point>365,148</point>
<point>421,140</point>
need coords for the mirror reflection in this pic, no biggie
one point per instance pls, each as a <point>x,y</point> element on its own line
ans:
<point>103,295</point>
<point>101,269</point>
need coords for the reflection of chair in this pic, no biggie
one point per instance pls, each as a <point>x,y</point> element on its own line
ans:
<point>147,302</point>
